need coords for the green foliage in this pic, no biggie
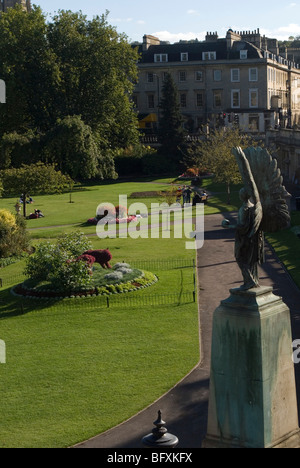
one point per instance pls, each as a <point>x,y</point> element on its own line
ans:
<point>56,71</point>
<point>133,160</point>
<point>55,263</point>
<point>171,132</point>
<point>214,153</point>
<point>13,236</point>
<point>74,243</point>
<point>73,146</point>
<point>34,179</point>
<point>17,149</point>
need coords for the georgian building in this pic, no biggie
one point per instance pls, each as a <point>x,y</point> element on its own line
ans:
<point>240,79</point>
<point>4,4</point>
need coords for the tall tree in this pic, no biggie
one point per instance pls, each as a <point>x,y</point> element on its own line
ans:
<point>72,146</point>
<point>28,67</point>
<point>69,66</point>
<point>171,131</point>
<point>98,71</point>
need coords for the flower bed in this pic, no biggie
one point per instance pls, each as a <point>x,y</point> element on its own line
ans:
<point>115,282</point>
<point>127,219</point>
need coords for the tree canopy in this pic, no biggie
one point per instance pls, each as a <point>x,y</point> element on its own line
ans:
<point>34,179</point>
<point>214,153</point>
<point>68,67</point>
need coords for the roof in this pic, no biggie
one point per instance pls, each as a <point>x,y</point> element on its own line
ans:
<point>196,49</point>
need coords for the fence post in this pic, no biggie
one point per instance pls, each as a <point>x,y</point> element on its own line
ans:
<point>107,302</point>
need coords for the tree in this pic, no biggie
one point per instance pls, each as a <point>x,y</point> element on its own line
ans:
<point>98,72</point>
<point>29,68</point>
<point>72,146</point>
<point>214,153</point>
<point>34,179</point>
<point>171,132</point>
<point>69,66</point>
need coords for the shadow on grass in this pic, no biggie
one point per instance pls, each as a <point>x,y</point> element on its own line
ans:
<point>12,306</point>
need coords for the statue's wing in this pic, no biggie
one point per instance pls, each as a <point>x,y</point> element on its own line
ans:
<point>272,193</point>
<point>250,186</point>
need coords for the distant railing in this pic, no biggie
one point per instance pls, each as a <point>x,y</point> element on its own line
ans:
<point>153,139</point>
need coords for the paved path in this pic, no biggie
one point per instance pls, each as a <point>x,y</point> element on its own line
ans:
<point>185,407</point>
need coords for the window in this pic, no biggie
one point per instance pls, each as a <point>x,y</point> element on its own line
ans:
<point>209,55</point>
<point>150,77</point>
<point>151,101</point>
<point>235,75</point>
<point>253,122</point>
<point>235,98</point>
<point>184,57</point>
<point>199,75</point>
<point>217,98</point>
<point>200,100</point>
<point>243,54</point>
<point>160,58</point>
<point>182,100</point>
<point>217,75</point>
<point>182,76</point>
<point>253,74</point>
<point>253,98</point>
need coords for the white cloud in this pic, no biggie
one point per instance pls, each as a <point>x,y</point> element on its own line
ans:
<point>175,37</point>
<point>121,20</point>
<point>283,32</point>
<point>193,12</point>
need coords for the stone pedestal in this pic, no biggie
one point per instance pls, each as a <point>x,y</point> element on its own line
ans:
<point>252,401</point>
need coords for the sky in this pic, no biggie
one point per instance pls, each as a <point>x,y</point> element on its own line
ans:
<point>173,20</point>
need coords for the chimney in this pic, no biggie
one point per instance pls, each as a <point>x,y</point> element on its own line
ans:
<point>149,41</point>
<point>211,37</point>
<point>232,37</point>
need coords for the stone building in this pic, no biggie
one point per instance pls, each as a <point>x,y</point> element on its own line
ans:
<point>287,145</point>
<point>4,4</point>
<point>240,79</point>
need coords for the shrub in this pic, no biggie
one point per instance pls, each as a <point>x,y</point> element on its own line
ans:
<point>7,218</point>
<point>56,263</point>
<point>72,276</point>
<point>74,243</point>
<point>13,236</point>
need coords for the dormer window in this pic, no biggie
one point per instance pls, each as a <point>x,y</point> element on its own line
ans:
<point>209,55</point>
<point>160,58</point>
<point>243,54</point>
<point>184,56</point>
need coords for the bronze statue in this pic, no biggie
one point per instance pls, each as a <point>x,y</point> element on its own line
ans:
<point>264,209</point>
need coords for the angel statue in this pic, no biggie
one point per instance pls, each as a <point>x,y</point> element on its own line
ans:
<point>264,209</point>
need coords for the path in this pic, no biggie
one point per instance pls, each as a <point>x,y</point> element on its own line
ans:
<point>185,407</point>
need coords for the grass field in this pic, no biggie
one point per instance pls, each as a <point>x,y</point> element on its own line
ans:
<point>286,243</point>
<point>73,369</point>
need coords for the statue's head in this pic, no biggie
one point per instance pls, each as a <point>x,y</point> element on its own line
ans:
<point>244,195</point>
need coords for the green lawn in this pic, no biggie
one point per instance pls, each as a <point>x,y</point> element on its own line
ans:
<point>73,369</point>
<point>287,247</point>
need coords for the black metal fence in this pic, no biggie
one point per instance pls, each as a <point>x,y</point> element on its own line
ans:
<point>124,300</point>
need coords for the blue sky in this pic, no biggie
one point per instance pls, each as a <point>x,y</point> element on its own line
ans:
<point>175,19</point>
